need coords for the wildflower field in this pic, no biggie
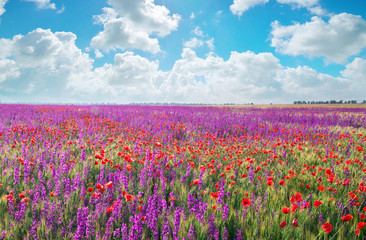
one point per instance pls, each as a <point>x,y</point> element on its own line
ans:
<point>182,172</point>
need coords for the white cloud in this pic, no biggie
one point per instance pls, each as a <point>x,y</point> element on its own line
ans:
<point>300,3</point>
<point>198,32</point>
<point>210,44</point>
<point>311,5</point>
<point>61,10</point>
<point>319,11</point>
<point>40,64</point>
<point>118,34</point>
<point>242,77</point>
<point>343,36</point>
<point>193,43</point>
<point>240,6</point>
<point>2,4</point>
<point>48,67</point>
<point>356,72</point>
<point>192,16</point>
<point>8,70</point>
<point>305,83</point>
<point>43,4</point>
<point>98,54</point>
<point>130,24</point>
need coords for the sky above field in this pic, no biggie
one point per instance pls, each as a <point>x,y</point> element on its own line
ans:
<point>192,51</point>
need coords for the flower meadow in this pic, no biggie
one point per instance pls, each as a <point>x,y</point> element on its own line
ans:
<point>182,172</point>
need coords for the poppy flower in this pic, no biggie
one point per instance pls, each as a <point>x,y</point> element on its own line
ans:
<point>357,231</point>
<point>317,203</point>
<point>90,190</point>
<point>285,210</point>
<point>110,209</point>
<point>347,218</point>
<point>294,207</point>
<point>295,223</point>
<point>296,198</point>
<point>327,227</point>
<point>52,194</point>
<point>270,183</point>
<point>360,225</point>
<point>362,216</point>
<point>282,182</point>
<point>245,202</point>
<point>321,188</point>
<point>109,184</point>
<point>283,224</point>
<point>129,198</point>
<point>196,181</point>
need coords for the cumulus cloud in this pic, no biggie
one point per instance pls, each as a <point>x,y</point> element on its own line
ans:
<point>243,76</point>
<point>43,4</point>
<point>240,6</point>
<point>304,82</point>
<point>198,32</point>
<point>311,5</point>
<point>131,24</point>
<point>210,44</point>
<point>8,70</point>
<point>47,66</point>
<point>193,43</point>
<point>98,54</point>
<point>343,36</point>
<point>40,63</point>
<point>300,3</point>
<point>2,4</point>
<point>117,34</point>
<point>356,73</point>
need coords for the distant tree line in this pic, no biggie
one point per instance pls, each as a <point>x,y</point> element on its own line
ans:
<point>329,102</point>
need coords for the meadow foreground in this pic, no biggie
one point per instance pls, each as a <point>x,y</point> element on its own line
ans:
<point>180,172</point>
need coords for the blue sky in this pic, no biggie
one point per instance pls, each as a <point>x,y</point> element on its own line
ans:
<point>192,51</point>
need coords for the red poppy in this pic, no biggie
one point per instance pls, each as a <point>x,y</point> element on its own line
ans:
<point>52,194</point>
<point>171,199</point>
<point>90,190</point>
<point>347,218</point>
<point>270,183</point>
<point>362,216</point>
<point>283,224</point>
<point>282,182</point>
<point>327,227</point>
<point>317,203</point>
<point>196,181</point>
<point>360,225</point>
<point>285,210</point>
<point>99,186</point>
<point>296,198</point>
<point>321,188</point>
<point>357,231</point>
<point>295,223</point>
<point>109,184</point>
<point>129,198</point>
<point>245,202</point>
<point>110,209</point>
<point>294,207</point>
